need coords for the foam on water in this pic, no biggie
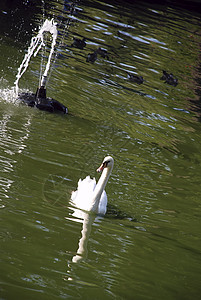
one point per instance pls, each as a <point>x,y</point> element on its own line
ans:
<point>8,95</point>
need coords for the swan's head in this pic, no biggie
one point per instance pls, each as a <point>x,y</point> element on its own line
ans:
<point>107,163</point>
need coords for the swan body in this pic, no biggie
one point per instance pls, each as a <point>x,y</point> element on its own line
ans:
<point>90,196</point>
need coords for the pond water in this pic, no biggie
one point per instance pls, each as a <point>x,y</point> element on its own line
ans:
<point>148,245</point>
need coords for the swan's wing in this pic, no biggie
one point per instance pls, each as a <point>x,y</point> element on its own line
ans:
<point>73,195</point>
<point>102,208</point>
<point>86,185</point>
<point>84,190</point>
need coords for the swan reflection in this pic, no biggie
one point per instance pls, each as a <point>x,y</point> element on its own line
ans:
<point>87,220</point>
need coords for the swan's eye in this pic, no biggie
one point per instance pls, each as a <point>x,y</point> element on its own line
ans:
<point>106,163</point>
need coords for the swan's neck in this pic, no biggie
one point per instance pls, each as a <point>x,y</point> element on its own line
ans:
<point>100,188</point>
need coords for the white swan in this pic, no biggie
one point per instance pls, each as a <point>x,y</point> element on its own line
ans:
<point>90,196</point>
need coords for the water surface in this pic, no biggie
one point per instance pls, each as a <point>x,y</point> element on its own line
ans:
<point>148,244</point>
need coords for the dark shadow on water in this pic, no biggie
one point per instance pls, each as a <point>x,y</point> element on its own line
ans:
<point>115,213</point>
<point>180,244</point>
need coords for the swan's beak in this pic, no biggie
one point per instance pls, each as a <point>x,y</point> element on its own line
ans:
<point>100,169</point>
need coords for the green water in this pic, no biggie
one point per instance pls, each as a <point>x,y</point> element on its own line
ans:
<point>148,244</point>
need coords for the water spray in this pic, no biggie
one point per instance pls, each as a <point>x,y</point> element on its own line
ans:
<point>39,99</point>
<point>35,46</point>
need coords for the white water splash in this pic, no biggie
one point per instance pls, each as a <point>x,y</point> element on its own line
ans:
<point>36,44</point>
<point>8,95</point>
